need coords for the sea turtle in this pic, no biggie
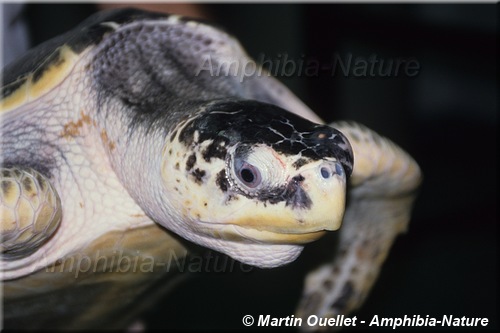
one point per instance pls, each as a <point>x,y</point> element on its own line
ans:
<point>135,128</point>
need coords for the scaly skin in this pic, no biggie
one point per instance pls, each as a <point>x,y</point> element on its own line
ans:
<point>58,136</point>
<point>65,283</point>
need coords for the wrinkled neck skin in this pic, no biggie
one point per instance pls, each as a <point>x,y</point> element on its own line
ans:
<point>136,152</point>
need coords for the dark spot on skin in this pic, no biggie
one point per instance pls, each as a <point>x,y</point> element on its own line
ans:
<point>221,181</point>
<point>198,175</point>
<point>299,199</point>
<point>205,204</point>
<point>273,195</point>
<point>345,296</point>
<point>27,184</point>
<point>178,180</point>
<point>295,195</point>
<point>231,198</point>
<point>299,163</point>
<point>217,149</point>
<point>177,166</point>
<point>170,152</point>
<point>328,284</point>
<point>6,186</point>
<point>191,161</point>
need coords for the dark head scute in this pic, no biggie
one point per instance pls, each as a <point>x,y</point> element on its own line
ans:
<point>299,163</point>
<point>327,141</point>
<point>247,121</point>
<point>217,149</point>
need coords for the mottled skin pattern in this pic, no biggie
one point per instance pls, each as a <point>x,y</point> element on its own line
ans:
<point>113,141</point>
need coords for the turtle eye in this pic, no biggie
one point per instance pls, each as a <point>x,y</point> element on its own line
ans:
<point>253,169</point>
<point>248,174</point>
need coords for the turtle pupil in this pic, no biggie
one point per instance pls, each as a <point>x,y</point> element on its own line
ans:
<point>247,175</point>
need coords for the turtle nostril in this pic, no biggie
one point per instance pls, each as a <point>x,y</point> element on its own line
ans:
<point>329,169</point>
<point>325,172</point>
<point>338,169</point>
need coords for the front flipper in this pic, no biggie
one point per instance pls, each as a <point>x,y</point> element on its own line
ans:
<point>382,190</point>
<point>30,212</point>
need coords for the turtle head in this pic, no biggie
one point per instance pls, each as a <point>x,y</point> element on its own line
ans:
<point>251,174</point>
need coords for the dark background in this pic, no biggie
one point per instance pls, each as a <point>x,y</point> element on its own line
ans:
<point>445,117</point>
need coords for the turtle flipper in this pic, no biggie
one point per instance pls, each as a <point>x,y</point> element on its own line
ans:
<point>30,211</point>
<point>383,188</point>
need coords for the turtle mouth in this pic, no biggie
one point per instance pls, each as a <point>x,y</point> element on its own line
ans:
<point>239,233</point>
<point>278,238</point>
